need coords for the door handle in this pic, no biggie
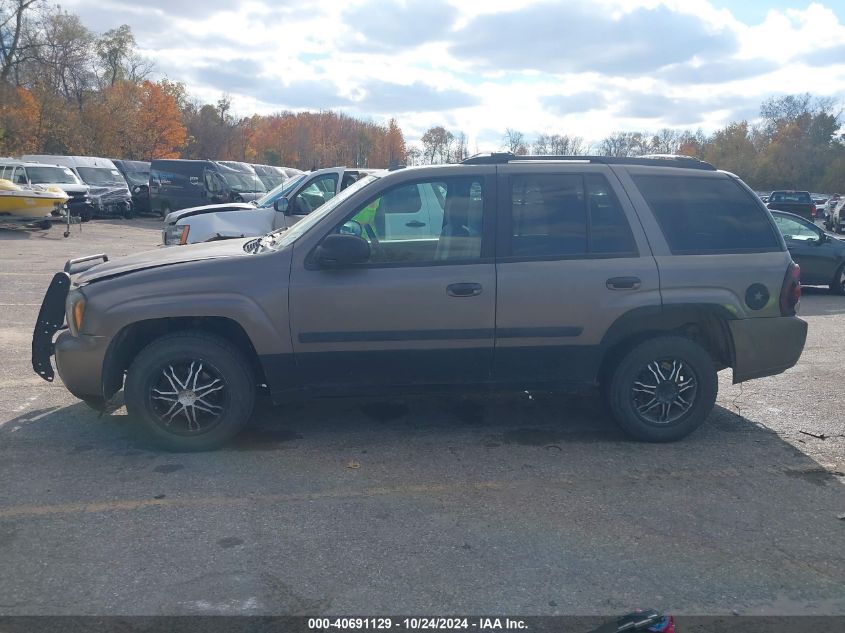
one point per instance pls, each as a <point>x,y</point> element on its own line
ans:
<point>415,224</point>
<point>464,290</point>
<point>624,283</point>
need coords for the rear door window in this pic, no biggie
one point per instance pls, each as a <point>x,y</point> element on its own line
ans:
<point>568,216</point>
<point>707,215</point>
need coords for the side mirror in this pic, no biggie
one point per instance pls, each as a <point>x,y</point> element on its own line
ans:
<point>823,238</point>
<point>352,227</point>
<point>339,250</point>
<point>282,205</point>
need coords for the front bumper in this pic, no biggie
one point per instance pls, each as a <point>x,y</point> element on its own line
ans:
<point>79,361</point>
<point>766,346</point>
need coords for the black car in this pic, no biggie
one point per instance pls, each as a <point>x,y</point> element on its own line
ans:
<point>820,255</point>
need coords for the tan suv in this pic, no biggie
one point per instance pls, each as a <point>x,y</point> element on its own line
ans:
<point>640,276</point>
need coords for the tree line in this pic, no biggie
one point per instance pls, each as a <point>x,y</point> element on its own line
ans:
<point>798,143</point>
<point>67,90</point>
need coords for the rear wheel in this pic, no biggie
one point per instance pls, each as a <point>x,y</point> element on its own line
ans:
<point>837,285</point>
<point>663,389</point>
<point>163,210</point>
<point>190,391</point>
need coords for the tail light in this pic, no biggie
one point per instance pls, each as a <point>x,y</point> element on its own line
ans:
<point>812,210</point>
<point>790,293</point>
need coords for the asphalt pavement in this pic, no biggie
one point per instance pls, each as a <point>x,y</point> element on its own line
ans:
<point>529,504</point>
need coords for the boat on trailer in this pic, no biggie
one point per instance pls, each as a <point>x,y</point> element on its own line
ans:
<point>35,204</point>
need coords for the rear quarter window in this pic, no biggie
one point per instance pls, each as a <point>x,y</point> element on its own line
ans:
<point>707,215</point>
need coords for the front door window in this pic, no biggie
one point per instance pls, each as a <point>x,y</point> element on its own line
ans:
<point>429,221</point>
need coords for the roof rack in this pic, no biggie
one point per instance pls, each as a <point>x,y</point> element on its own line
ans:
<point>652,160</point>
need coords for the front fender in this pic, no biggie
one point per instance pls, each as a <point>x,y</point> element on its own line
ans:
<point>264,334</point>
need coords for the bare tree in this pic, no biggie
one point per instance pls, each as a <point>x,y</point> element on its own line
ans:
<point>514,141</point>
<point>665,141</point>
<point>461,150</point>
<point>13,23</point>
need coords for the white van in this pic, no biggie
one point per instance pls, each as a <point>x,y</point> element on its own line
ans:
<point>109,192</point>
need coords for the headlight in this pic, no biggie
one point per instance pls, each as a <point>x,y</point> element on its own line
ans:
<point>75,311</point>
<point>177,234</point>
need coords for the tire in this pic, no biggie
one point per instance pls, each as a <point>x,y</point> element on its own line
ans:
<point>178,416</point>
<point>837,285</point>
<point>163,210</point>
<point>697,378</point>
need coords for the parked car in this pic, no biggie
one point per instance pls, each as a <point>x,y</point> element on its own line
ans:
<point>28,174</point>
<point>836,218</point>
<point>644,277</point>
<point>109,193</point>
<point>797,202</point>
<point>282,207</point>
<point>821,255</point>
<point>182,184</point>
<point>137,175</point>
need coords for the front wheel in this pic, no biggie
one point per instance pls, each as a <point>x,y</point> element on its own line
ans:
<point>663,389</point>
<point>190,391</point>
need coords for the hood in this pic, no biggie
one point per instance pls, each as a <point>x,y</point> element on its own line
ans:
<point>164,257</point>
<point>173,216</point>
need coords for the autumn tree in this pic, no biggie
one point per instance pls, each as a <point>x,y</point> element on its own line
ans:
<point>437,143</point>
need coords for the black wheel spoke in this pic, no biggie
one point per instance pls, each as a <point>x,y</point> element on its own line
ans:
<point>188,397</point>
<point>663,391</point>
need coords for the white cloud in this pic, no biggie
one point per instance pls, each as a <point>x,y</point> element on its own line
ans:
<point>580,67</point>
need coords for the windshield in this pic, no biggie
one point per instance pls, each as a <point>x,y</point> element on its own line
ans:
<point>51,175</point>
<point>242,181</point>
<point>138,177</point>
<point>280,191</point>
<point>101,176</point>
<point>280,239</point>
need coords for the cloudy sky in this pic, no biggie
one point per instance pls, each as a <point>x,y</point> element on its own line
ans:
<point>582,67</point>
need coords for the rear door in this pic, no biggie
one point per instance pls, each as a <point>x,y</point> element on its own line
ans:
<point>572,258</point>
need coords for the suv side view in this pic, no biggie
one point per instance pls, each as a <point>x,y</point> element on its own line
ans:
<point>643,277</point>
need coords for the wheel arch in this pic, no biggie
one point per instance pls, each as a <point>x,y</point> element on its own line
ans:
<point>134,337</point>
<point>706,324</point>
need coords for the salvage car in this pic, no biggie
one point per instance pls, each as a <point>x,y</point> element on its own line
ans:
<point>180,184</point>
<point>282,207</point>
<point>639,277</point>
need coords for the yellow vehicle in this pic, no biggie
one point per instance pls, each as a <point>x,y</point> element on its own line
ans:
<point>17,203</point>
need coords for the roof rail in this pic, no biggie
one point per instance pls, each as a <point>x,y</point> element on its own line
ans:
<point>653,160</point>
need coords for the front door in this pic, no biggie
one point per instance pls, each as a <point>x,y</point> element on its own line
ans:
<point>420,311</point>
<point>572,258</point>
